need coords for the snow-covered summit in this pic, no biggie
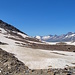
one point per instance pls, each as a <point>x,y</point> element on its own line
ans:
<point>70,36</point>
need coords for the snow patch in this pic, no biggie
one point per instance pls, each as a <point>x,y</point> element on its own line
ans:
<point>23,35</point>
<point>69,36</point>
<point>70,43</point>
<point>38,37</point>
<point>2,30</point>
<point>54,43</point>
<point>45,37</point>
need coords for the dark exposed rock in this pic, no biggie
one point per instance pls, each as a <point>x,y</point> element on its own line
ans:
<point>70,48</point>
<point>73,51</point>
<point>1,43</point>
<point>10,65</point>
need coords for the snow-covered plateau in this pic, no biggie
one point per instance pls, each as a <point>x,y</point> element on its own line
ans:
<point>38,58</point>
<point>33,58</point>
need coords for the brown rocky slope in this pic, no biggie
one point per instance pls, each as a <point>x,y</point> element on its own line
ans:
<point>10,65</point>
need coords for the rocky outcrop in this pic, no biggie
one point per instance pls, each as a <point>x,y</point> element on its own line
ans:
<point>10,65</point>
<point>1,43</point>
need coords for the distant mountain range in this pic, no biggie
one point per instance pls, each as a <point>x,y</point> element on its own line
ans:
<point>11,30</point>
<point>69,37</point>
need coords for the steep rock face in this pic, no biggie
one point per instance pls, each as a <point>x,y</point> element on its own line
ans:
<point>10,65</point>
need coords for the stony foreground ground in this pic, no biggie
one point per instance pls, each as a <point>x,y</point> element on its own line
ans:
<point>10,65</point>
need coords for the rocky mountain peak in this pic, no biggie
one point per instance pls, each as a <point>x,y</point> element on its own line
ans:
<point>1,21</point>
<point>69,33</point>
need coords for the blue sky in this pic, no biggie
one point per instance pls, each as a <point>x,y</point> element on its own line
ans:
<point>39,17</point>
